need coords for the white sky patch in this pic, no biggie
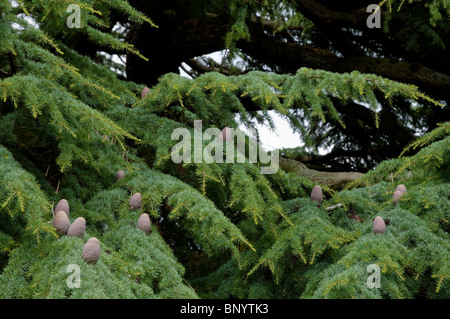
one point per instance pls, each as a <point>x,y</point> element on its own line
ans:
<point>282,137</point>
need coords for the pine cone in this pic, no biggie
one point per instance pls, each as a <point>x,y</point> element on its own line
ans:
<point>316,194</point>
<point>77,228</point>
<point>63,205</point>
<point>119,175</point>
<point>396,196</point>
<point>91,250</point>
<point>61,222</point>
<point>136,201</point>
<point>379,227</point>
<point>144,223</point>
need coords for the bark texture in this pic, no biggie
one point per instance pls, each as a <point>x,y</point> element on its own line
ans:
<point>334,180</point>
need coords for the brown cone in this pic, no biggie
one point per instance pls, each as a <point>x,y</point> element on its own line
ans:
<point>396,196</point>
<point>379,226</point>
<point>136,201</point>
<point>61,222</point>
<point>144,223</point>
<point>77,228</point>
<point>63,205</point>
<point>91,251</point>
<point>316,194</point>
<point>119,175</point>
<point>144,92</point>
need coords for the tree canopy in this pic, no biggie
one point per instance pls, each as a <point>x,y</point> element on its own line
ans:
<point>71,118</point>
<point>284,36</point>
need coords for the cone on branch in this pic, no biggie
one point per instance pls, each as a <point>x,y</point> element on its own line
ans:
<point>78,228</point>
<point>135,201</point>
<point>61,222</point>
<point>379,226</point>
<point>63,205</point>
<point>144,223</point>
<point>91,251</point>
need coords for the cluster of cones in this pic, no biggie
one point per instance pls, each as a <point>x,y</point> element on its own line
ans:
<point>61,221</point>
<point>379,224</point>
<point>399,191</point>
<point>91,250</point>
<point>135,202</point>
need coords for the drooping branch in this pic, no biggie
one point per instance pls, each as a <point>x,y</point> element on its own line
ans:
<point>290,57</point>
<point>178,41</point>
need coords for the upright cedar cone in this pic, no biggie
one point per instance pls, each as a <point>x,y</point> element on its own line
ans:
<point>61,222</point>
<point>316,194</point>
<point>119,175</point>
<point>401,188</point>
<point>136,201</point>
<point>379,226</point>
<point>91,251</point>
<point>77,228</point>
<point>144,92</point>
<point>63,205</point>
<point>396,196</point>
<point>144,223</point>
<point>226,134</point>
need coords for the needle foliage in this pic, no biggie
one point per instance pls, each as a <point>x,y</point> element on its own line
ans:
<point>219,230</point>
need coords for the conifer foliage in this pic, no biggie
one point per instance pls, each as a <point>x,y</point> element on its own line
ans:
<point>69,125</point>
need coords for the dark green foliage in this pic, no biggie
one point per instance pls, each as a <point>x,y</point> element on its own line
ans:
<point>219,230</point>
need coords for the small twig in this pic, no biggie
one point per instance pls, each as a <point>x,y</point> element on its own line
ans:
<point>334,207</point>
<point>57,186</point>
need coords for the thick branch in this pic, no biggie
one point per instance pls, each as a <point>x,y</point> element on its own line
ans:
<point>273,24</point>
<point>291,57</point>
<point>174,42</point>
<point>316,12</point>
<point>316,161</point>
<point>201,68</point>
<point>331,22</point>
<point>335,180</point>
